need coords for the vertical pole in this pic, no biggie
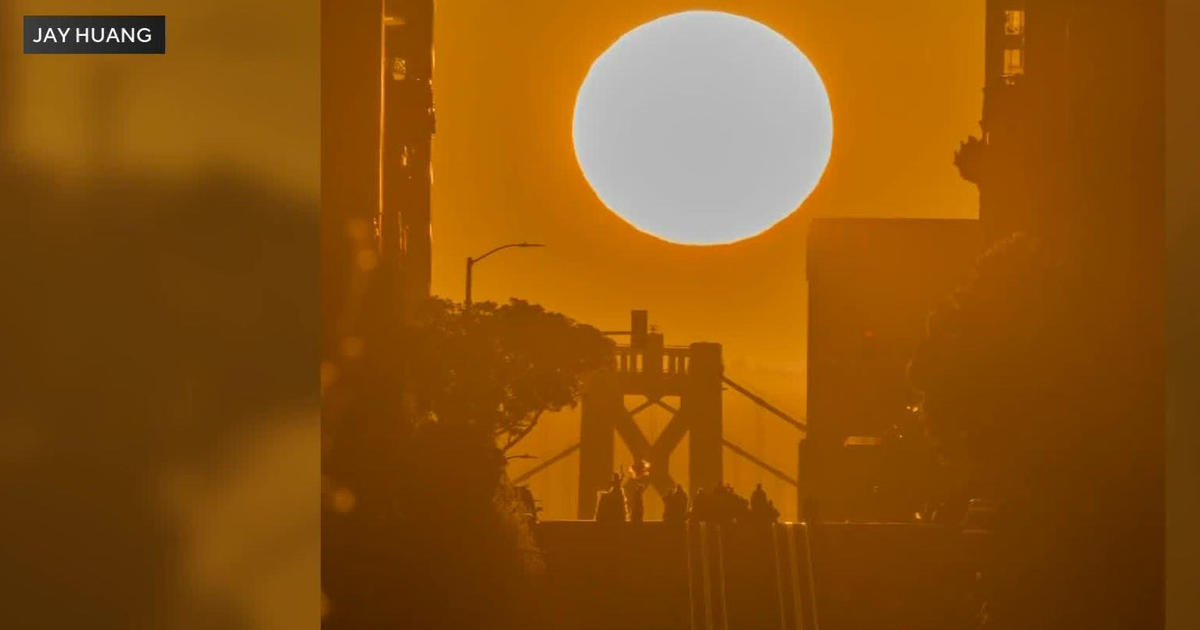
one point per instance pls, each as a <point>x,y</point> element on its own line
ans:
<point>602,399</point>
<point>467,296</point>
<point>703,401</point>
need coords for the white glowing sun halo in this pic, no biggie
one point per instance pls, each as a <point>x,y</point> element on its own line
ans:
<point>703,127</point>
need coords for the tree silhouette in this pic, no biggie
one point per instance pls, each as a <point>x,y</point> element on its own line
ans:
<point>1020,392</point>
<point>499,367</point>
<point>991,365</point>
<point>437,536</point>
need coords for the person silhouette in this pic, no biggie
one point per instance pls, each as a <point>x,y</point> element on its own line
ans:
<point>699,505</point>
<point>726,506</point>
<point>758,498</point>
<point>675,505</point>
<point>528,503</point>
<point>610,506</point>
<point>635,487</point>
<point>762,509</point>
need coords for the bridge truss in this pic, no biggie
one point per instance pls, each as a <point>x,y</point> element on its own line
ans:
<point>648,370</point>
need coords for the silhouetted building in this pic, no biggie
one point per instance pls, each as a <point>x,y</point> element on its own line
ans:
<point>871,285</point>
<point>1072,151</point>
<point>1071,131</point>
<point>406,132</point>
<point>377,124</point>
<point>1000,160</point>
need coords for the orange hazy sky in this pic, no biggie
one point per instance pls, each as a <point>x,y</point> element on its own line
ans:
<point>905,82</point>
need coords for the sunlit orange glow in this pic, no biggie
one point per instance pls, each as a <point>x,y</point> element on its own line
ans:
<point>904,82</point>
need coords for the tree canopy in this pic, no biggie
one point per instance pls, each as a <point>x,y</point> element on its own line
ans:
<point>991,367</point>
<point>499,367</point>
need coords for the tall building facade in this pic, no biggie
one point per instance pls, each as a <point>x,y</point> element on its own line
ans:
<point>1071,133</point>
<point>1025,122</point>
<point>377,124</point>
<point>871,286</point>
<point>1072,151</point>
<point>406,131</point>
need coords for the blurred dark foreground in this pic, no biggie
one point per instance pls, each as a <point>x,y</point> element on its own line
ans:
<point>159,435</point>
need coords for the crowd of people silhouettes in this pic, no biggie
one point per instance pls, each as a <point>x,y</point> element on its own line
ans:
<point>622,502</point>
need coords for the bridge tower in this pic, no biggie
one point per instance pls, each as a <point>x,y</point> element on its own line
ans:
<point>649,369</point>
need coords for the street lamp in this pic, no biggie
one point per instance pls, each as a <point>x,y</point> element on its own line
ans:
<point>471,262</point>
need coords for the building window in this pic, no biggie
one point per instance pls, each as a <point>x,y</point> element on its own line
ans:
<point>1014,22</point>
<point>1014,62</point>
<point>399,68</point>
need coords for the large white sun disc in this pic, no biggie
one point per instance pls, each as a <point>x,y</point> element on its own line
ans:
<point>703,127</point>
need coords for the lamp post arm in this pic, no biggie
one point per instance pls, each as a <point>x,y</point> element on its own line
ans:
<point>496,249</point>
<point>471,263</point>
